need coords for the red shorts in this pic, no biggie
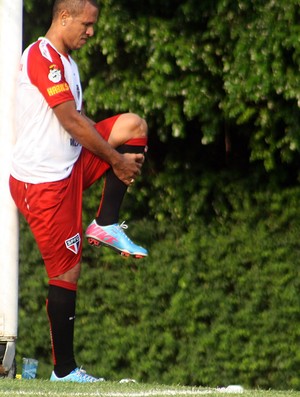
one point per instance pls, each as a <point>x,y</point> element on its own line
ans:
<point>53,210</point>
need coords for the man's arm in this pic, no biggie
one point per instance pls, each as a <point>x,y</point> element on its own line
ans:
<point>126,167</point>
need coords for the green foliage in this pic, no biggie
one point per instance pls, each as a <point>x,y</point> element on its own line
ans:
<point>149,59</point>
<point>217,301</point>
<point>215,64</point>
<point>259,51</point>
<point>37,19</point>
<point>212,305</point>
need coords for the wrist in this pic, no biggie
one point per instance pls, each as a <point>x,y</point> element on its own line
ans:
<point>115,158</point>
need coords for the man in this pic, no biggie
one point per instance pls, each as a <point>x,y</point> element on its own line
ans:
<point>59,152</point>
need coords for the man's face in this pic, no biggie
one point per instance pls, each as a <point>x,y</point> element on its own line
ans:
<point>81,27</point>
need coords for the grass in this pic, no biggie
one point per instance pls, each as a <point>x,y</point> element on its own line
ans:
<point>40,388</point>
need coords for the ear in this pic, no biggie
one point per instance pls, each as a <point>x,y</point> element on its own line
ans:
<point>64,17</point>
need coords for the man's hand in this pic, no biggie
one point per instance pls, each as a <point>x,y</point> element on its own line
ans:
<point>129,167</point>
<point>126,166</point>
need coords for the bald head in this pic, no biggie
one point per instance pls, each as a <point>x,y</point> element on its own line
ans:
<point>74,7</point>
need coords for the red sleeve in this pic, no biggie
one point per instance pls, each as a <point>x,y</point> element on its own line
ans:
<point>48,76</point>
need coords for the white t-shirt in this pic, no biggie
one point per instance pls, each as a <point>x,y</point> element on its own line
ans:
<point>44,150</point>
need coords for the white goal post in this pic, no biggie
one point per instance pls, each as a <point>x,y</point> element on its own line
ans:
<point>11,22</point>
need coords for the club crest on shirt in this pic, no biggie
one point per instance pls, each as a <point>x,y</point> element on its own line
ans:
<point>73,243</point>
<point>54,74</point>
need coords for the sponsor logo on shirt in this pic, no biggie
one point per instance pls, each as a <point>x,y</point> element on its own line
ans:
<point>57,89</point>
<point>54,74</point>
<point>73,243</point>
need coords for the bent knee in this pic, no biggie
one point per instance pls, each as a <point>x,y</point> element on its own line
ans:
<point>71,276</point>
<point>143,127</point>
<point>138,125</point>
<point>128,126</point>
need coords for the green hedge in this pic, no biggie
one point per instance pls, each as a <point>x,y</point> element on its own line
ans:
<point>216,302</point>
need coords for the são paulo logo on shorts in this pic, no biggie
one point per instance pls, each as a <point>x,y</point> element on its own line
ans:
<point>73,243</point>
<point>54,74</point>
